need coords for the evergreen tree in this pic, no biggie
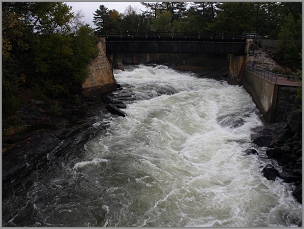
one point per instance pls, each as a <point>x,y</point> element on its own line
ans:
<point>288,49</point>
<point>233,18</point>
<point>101,19</point>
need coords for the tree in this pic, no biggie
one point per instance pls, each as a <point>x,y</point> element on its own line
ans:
<point>132,22</point>
<point>152,9</point>
<point>107,21</point>
<point>101,19</point>
<point>76,22</point>
<point>199,15</point>
<point>85,50</point>
<point>288,49</point>
<point>233,18</point>
<point>43,50</point>
<point>177,9</point>
<point>114,21</point>
<point>162,22</point>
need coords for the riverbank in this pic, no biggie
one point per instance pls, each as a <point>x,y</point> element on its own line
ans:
<point>48,134</point>
<point>283,143</point>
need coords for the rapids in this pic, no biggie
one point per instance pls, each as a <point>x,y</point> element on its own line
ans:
<point>176,160</point>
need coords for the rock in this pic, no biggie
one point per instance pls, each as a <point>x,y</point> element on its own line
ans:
<point>80,112</point>
<point>251,151</point>
<point>262,141</point>
<point>285,148</point>
<point>124,95</point>
<point>297,194</point>
<point>121,105</point>
<point>294,120</point>
<point>115,110</point>
<point>284,136</point>
<point>283,157</point>
<point>300,223</point>
<point>46,107</point>
<point>270,173</point>
<point>289,176</point>
<point>66,133</point>
<point>108,99</point>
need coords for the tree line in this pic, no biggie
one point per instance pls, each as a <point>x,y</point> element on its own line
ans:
<point>265,18</point>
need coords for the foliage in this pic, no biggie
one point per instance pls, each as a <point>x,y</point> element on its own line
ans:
<point>233,18</point>
<point>107,21</point>
<point>85,50</point>
<point>13,125</point>
<point>162,22</point>
<point>288,49</point>
<point>45,49</point>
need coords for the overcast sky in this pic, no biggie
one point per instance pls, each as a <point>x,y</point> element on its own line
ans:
<point>88,8</point>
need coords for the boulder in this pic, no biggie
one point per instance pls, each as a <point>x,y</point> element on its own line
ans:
<point>285,136</point>
<point>121,105</point>
<point>115,110</point>
<point>289,176</point>
<point>294,120</point>
<point>297,194</point>
<point>251,151</point>
<point>270,173</point>
<point>280,155</point>
<point>262,141</point>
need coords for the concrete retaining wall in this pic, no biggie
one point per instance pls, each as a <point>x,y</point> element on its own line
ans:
<point>236,67</point>
<point>101,78</point>
<point>263,93</point>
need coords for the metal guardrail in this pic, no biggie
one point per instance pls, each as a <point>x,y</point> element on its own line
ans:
<point>173,36</point>
<point>270,76</point>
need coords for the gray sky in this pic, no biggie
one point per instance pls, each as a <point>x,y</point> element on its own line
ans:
<point>88,8</point>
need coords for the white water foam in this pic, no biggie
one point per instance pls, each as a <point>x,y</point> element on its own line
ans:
<point>176,159</point>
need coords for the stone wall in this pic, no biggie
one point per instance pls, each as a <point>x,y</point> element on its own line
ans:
<point>101,78</point>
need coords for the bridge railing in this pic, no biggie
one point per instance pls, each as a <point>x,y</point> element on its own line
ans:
<point>270,76</point>
<point>174,36</point>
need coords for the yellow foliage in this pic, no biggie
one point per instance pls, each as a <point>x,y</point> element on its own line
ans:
<point>12,25</point>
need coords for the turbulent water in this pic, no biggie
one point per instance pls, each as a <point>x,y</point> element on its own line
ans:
<point>176,160</point>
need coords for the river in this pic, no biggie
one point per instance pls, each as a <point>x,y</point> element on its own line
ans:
<point>176,160</point>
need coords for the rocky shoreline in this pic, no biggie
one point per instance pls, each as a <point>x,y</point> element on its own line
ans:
<point>48,136</point>
<point>283,142</point>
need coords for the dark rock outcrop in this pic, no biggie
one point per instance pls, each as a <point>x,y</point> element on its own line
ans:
<point>270,172</point>
<point>297,193</point>
<point>251,152</point>
<point>262,141</point>
<point>284,145</point>
<point>115,110</point>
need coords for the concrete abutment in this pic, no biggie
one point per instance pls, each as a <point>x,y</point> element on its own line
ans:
<point>101,78</point>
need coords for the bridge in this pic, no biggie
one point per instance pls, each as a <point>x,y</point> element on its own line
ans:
<point>165,43</point>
